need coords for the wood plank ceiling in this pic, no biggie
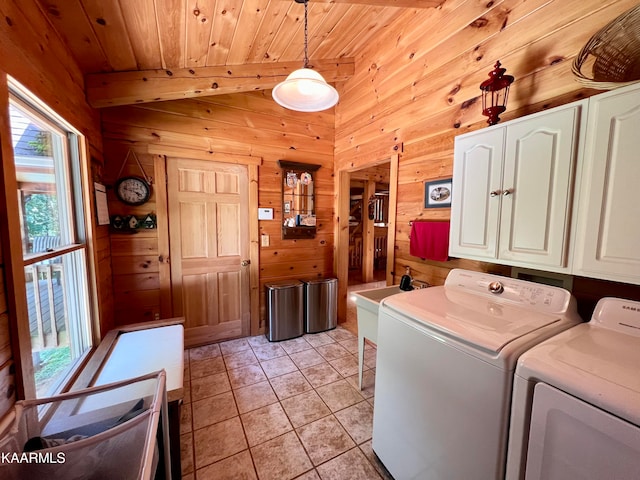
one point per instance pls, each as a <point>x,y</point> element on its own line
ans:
<point>185,48</point>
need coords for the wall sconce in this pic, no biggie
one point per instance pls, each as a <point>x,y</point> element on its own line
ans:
<point>495,92</point>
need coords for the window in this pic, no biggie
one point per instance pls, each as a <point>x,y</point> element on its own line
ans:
<point>47,162</point>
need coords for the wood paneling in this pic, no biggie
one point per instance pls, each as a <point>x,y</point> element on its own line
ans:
<point>5,340</point>
<point>101,255</point>
<point>126,88</point>
<point>7,374</point>
<point>7,388</point>
<point>3,290</point>
<point>395,3</point>
<point>33,53</point>
<point>417,85</point>
<point>248,128</point>
<point>175,34</point>
<point>134,256</point>
<point>36,56</point>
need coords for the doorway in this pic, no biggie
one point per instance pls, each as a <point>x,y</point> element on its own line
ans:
<point>369,215</point>
<point>368,224</point>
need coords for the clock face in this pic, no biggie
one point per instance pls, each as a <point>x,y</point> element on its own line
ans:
<point>133,190</point>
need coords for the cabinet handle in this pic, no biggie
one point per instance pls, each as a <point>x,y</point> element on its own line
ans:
<point>495,193</point>
<point>507,192</point>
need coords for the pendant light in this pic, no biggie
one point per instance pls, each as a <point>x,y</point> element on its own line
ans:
<point>304,90</point>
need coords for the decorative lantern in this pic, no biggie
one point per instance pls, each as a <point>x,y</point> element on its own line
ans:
<point>495,92</point>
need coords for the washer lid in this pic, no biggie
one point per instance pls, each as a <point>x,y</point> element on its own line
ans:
<point>596,361</point>
<point>480,322</point>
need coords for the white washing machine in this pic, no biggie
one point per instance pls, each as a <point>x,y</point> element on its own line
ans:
<point>445,363</point>
<point>576,401</point>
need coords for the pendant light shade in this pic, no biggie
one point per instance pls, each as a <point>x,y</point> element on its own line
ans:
<point>304,90</point>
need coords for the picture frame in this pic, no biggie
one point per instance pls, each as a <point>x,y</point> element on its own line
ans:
<point>437,193</point>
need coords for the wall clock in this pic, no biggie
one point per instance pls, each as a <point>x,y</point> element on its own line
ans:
<point>133,190</point>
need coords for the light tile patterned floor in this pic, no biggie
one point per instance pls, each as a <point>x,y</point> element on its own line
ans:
<point>279,411</point>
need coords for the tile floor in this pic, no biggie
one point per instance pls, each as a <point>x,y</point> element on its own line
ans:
<point>279,411</point>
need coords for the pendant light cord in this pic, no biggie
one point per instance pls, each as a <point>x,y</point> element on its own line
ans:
<point>306,57</point>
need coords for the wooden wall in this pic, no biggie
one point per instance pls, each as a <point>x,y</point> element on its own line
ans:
<point>414,89</point>
<point>7,382</point>
<point>418,86</point>
<point>102,272</point>
<point>248,125</point>
<point>134,257</point>
<point>32,53</point>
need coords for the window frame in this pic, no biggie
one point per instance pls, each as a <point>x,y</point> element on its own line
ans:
<point>14,258</point>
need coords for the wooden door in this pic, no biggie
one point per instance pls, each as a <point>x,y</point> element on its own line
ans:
<point>537,188</point>
<point>209,237</point>
<point>475,205</point>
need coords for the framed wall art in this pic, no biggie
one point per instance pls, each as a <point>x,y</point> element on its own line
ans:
<point>437,193</point>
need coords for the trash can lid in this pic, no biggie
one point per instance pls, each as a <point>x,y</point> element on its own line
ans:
<point>283,284</point>
<point>320,280</point>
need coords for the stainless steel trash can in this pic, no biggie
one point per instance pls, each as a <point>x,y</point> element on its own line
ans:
<point>284,301</point>
<point>320,305</point>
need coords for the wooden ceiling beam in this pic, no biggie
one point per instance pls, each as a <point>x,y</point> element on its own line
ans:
<point>128,88</point>
<point>388,3</point>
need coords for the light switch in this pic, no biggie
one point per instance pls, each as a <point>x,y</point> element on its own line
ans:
<point>264,240</point>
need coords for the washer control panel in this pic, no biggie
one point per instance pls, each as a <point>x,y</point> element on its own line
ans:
<point>618,314</point>
<point>510,290</point>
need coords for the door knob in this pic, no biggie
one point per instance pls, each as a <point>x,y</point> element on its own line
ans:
<point>507,192</point>
<point>495,193</point>
<point>244,263</point>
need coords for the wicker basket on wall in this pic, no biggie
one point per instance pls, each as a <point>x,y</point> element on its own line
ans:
<point>613,54</point>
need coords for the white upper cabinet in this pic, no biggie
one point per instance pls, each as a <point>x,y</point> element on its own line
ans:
<point>537,188</point>
<point>512,190</point>
<point>608,199</point>
<point>475,203</point>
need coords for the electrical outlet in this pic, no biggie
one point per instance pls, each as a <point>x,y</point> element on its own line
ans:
<point>264,240</point>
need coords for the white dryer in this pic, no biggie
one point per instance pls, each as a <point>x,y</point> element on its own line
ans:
<point>445,363</point>
<point>576,401</point>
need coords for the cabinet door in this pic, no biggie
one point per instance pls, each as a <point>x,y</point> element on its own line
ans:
<point>537,188</point>
<point>608,231</point>
<point>477,170</point>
